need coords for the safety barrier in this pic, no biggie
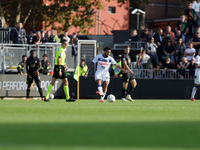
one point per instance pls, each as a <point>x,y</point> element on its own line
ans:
<point>134,45</point>
<point>11,55</point>
<point>162,74</point>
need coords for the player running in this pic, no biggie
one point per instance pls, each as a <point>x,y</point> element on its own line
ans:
<point>102,74</point>
<point>33,66</point>
<point>127,76</point>
<point>60,72</point>
<point>197,76</point>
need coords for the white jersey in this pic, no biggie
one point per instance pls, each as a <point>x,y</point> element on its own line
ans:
<point>197,70</point>
<point>103,64</point>
<point>189,51</point>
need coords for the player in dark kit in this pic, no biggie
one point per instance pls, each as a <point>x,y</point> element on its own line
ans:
<point>128,76</point>
<point>33,66</point>
<point>45,65</point>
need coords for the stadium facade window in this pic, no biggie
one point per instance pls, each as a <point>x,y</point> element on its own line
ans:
<point>111,10</point>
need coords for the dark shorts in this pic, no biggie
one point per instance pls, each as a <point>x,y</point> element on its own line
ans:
<point>56,72</point>
<point>34,77</point>
<point>128,76</point>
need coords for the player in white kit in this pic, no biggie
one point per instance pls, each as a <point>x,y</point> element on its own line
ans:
<point>102,74</point>
<point>197,76</point>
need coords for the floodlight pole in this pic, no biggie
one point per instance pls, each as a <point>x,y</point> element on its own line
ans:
<point>95,26</point>
<point>138,19</point>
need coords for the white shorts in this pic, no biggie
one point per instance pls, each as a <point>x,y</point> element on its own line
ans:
<point>102,76</point>
<point>197,77</point>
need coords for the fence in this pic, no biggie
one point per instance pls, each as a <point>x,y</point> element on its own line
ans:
<point>5,34</point>
<point>11,55</point>
<point>134,45</point>
<point>162,74</point>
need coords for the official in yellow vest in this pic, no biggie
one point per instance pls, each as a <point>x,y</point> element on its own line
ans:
<point>80,70</point>
<point>117,72</point>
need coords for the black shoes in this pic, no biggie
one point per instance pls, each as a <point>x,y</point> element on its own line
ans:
<point>46,100</point>
<point>70,100</point>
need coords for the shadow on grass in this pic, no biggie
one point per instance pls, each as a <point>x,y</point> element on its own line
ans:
<point>116,134</point>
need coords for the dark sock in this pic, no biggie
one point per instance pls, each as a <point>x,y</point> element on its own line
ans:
<point>131,90</point>
<point>124,92</point>
<point>27,93</point>
<point>41,93</point>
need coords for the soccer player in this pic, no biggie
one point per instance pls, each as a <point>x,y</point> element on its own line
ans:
<point>60,72</point>
<point>127,76</point>
<point>102,74</point>
<point>197,77</point>
<point>45,65</point>
<point>22,66</point>
<point>33,66</point>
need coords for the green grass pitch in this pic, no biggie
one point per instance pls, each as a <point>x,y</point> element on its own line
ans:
<point>90,125</point>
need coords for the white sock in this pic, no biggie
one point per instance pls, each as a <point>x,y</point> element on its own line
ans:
<point>194,91</point>
<point>100,89</point>
<point>102,97</point>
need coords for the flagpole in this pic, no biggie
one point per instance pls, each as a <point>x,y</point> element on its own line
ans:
<point>78,84</point>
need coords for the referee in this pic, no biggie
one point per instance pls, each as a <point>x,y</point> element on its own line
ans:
<point>60,72</point>
<point>128,76</point>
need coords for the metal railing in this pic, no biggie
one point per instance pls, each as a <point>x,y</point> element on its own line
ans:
<point>134,45</point>
<point>162,74</point>
<point>11,55</point>
<point>5,34</point>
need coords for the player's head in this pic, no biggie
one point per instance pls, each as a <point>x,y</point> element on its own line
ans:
<point>24,57</point>
<point>107,51</point>
<point>82,63</point>
<point>33,53</point>
<point>45,56</point>
<point>64,43</point>
<point>127,49</point>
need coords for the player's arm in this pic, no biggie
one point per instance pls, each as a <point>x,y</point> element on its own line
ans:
<point>66,68</point>
<point>120,68</point>
<point>127,67</point>
<point>90,66</point>
<point>58,62</point>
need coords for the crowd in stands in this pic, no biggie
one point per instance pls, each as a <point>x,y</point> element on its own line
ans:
<point>172,50</point>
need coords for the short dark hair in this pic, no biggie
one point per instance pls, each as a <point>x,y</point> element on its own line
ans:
<point>125,47</point>
<point>32,51</point>
<point>64,40</point>
<point>23,56</point>
<point>107,48</point>
<point>45,55</point>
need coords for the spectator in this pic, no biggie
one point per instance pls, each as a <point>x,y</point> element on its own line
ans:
<point>49,38</point>
<point>45,65</point>
<point>150,34</point>
<point>191,19</point>
<point>43,38</point>
<point>169,51</point>
<point>74,42</point>
<point>169,35</point>
<point>80,70</point>
<point>196,6</point>
<point>37,38</point>
<point>192,68</point>
<point>30,37</point>
<point>183,27</point>
<point>66,36</point>
<point>152,52</point>
<point>19,35</point>
<point>196,40</point>
<point>168,65</point>
<point>22,66</point>
<point>144,35</point>
<point>178,36</point>
<point>182,66</point>
<point>143,60</point>
<point>179,51</point>
<point>55,37</point>
<point>134,36</point>
<point>189,52</point>
<point>157,72</point>
<point>116,72</point>
<point>160,41</point>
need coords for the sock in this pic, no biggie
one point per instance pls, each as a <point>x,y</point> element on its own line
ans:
<point>100,89</point>
<point>124,92</point>
<point>194,91</point>
<point>66,90</point>
<point>131,90</point>
<point>27,93</point>
<point>41,93</point>
<point>48,91</point>
<point>102,97</point>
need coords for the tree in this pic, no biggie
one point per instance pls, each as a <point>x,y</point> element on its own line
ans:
<point>13,11</point>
